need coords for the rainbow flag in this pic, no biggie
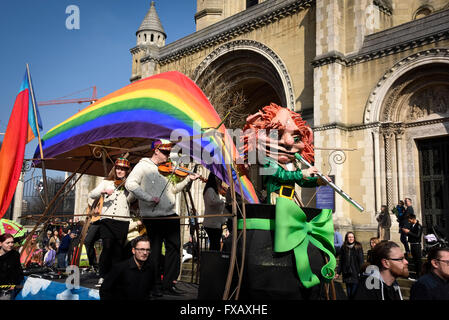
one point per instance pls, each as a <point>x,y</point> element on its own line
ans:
<point>153,108</point>
<point>32,121</point>
<point>21,129</point>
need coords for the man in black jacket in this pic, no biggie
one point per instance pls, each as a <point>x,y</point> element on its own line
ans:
<point>384,221</point>
<point>403,223</point>
<point>414,234</point>
<point>434,285</point>
<point>378,282</point>
<point>131,279</point>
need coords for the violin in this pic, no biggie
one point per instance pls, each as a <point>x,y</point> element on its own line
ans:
<point>119,182</point>
<point>182,172</point>
<point>222,190</point>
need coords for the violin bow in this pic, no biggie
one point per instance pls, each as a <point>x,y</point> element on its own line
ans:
<point>165,187</point>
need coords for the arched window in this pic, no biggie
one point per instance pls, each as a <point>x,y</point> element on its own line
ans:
<point>145,37</point>
<point>422,12</point>
<point>152,38</point>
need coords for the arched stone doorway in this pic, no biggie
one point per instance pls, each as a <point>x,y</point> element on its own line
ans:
<point>255,69</point>
<point>253,75</point>
<point>411,133</point>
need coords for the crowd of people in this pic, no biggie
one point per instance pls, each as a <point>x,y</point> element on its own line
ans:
<point>376,278</point>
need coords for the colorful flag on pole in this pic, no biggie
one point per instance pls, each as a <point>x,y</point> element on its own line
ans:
<point>21,129</point>
<point>32,125</point>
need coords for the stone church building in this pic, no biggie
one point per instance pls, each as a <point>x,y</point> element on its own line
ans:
<point>371,77</point>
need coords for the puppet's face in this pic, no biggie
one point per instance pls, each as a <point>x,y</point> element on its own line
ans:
<point>291,134</point>
<point>290,140</point>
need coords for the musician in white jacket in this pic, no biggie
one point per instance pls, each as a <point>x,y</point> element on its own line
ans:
<point>157,194</point>
<point>114,219</point>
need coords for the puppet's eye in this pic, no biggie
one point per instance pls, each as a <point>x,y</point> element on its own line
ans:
<point>297,139</point>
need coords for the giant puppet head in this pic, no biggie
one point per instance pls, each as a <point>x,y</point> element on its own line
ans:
<point>291,134</point>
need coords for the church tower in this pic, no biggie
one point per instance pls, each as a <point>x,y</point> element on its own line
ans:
<point>151,31</point>
<point>150,37</point>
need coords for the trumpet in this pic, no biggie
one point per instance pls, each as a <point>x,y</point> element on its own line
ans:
<point>331,184</point>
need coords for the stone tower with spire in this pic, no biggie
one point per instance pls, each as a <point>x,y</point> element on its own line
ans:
<point>150,37</point>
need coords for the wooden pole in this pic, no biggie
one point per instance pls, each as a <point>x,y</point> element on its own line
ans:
<point>44,174</point>
<point>197,231</point>
<point>232,259</point>
<point>242,264</point>
<point>143,218</point>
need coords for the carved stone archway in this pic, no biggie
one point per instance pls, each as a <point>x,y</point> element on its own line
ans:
<point>411,97</point>
<point>419,94</point>
<point>257,68</point>
<point>377,104</point>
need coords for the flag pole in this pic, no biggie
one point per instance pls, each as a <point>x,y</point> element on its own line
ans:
<point>44,174</point>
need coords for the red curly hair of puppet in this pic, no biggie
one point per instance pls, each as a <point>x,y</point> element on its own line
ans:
<point>263,119</point>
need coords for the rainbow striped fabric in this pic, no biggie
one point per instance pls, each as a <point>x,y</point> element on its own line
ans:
<point>152,108</point>
<point>21,130</point>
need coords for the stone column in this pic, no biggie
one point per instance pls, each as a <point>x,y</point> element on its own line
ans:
<point>388,135</point>
<point>82,189</point>
<point>362,14</point>
<point>377,170</point>
<point>399,133</point>
<point>18,199</point>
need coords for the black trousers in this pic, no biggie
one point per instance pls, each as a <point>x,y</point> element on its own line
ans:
<point>168,232</point>
<point>214,238</point>
<point>415,250</point>
<point>404,241</point>
<point>113,236</point>
<point>93,234</point>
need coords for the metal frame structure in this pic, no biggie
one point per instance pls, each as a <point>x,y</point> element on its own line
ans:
<point>100,153</point>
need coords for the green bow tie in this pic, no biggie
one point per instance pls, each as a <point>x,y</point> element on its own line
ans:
<point>293,232</point>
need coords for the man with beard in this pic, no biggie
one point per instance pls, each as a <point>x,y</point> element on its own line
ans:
<point>378,282</point>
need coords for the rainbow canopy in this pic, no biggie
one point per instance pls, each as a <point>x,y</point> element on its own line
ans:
<point>165,106</point>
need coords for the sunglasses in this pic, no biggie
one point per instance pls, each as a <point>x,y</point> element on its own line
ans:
<point>165,152</point>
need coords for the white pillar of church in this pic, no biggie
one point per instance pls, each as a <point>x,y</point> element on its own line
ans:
<point>399,134</point>
<point>377,169</point>
<point>388,141</point>
<point>18,199</point>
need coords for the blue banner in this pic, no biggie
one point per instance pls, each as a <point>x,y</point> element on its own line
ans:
<point>325,197</point>
<point>43,289</point>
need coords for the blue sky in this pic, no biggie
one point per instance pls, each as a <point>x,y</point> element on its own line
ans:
<point>64,61</point>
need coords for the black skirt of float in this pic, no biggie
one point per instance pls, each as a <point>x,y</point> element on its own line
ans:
<point>268,275</point>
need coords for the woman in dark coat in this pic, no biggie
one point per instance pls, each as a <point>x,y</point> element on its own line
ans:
<point>11,273</point>
<point>350,264</point>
